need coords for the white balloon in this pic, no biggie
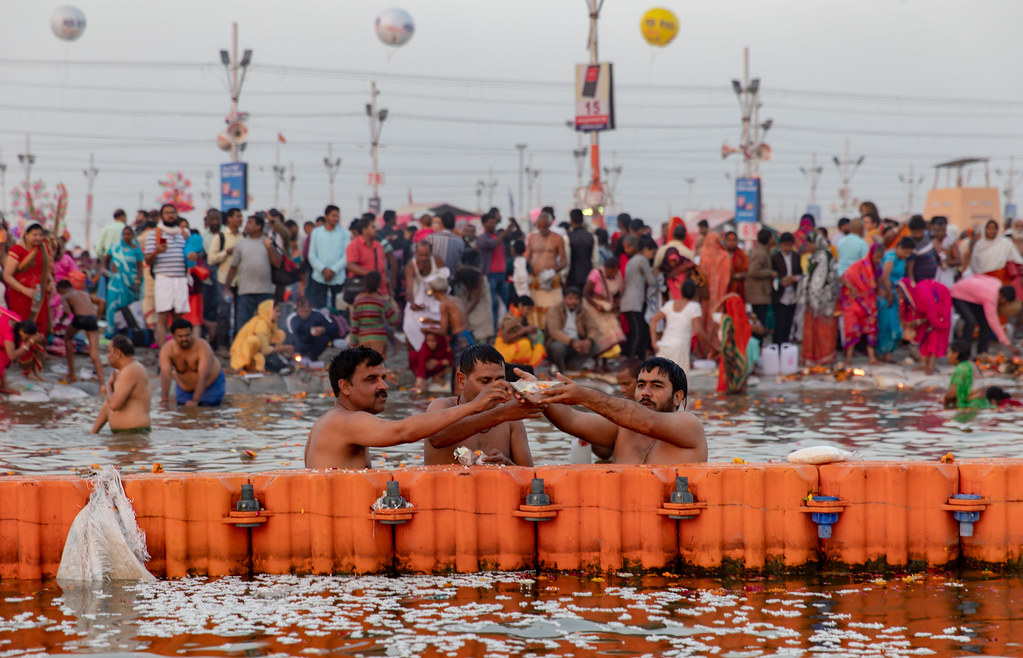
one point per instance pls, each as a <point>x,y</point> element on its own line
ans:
<point>67,23</point>
<point>395,27</point>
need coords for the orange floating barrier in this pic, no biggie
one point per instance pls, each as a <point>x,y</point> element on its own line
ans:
<point>892,513</point>
<point>35,517</point>
<point>183,516</point>
<point>463,520</point>
<point>321,522</point>
<point>998,532</point>
<point>753,519</point>
<point>608,519</point>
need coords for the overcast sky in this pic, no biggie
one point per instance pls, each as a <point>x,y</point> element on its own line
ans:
<point>908,82</point>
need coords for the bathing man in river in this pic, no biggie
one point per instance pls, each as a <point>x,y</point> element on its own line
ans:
<point>126,407</point>
<point>340,438</point>
<point>198,378</point>
<point>499,433</point>
<point>649,430</point>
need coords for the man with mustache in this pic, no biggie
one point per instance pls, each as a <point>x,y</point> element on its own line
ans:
<point>340,438</point>
<point>650,429</point>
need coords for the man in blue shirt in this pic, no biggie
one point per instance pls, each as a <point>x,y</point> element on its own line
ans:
<point>852,247</point>
<point>327,246</point>
<point>309,330</point>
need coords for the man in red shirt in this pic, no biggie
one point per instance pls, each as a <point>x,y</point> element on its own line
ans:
<point>365,254</point>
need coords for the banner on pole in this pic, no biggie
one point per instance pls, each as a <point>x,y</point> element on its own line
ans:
<point>747,200</point>
<point>234,185</point>
<point>594,97</point>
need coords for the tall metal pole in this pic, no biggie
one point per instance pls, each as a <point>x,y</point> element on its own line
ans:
<point>747,140</point>
<point>208,193</point>
<point>278,176</point>
<point>847,168</point>
<point>522,170</point>
<point>491,184</point>
<point>234,83</point>
<point>90,174</point>
<point>911,182</point>
<point>3,185</point>
<point>27,159</point>
<point>689,182</point>
<point>332,164</point>
<point>373,139</point>
<point>595,185</point>
<point>813,173</point>
<point>291,190</point>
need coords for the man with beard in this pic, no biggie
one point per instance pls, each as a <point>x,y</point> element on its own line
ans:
<point>340,438</point>
<point>498,433</point>
<point>198,377</point>
<point>165,255</point>
<point>649,430</point>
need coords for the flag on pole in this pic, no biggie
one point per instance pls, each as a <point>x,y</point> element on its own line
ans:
<point>280,138</point>
<point>511,203</point>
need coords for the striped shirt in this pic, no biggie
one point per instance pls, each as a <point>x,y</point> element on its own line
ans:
<point>371,314</point>
<point>172,261</point>
<point>448,246</point>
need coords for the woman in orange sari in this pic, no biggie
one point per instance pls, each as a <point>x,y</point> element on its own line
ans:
<point>27,275</point>
<point>716,265</point>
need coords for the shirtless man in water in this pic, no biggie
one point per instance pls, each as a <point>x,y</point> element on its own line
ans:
<point>499,433</point>
<point>127,405</point>
<point>340,438</point>
<point>650,430</point>
<point>198,377</point>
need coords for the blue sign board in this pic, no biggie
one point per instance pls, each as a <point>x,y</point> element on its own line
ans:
<point>234,186</point>
<point>816,212</point>
<point>747,200</point>
<point>1011,211</point>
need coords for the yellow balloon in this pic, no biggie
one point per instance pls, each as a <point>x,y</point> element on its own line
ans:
<point>659,26</point>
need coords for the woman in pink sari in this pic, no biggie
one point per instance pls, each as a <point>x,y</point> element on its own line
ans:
<point>857,300</point>
<point>926,318</point>
<point>28,277</point>
<point>601,296</point>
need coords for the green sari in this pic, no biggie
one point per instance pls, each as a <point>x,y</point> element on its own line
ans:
<point>962,381</point>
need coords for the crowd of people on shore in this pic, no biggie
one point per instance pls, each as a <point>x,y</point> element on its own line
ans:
<point>560,295</point>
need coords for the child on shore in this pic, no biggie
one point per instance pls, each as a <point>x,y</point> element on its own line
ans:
<point>85,319</point>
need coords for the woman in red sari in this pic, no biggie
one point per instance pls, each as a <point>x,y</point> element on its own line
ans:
<point>27,273</point>
<point>857,301</point>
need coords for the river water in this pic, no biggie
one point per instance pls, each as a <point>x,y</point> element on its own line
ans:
<point>935,613</point>
<point>762,426</point>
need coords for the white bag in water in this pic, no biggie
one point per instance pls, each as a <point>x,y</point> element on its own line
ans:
<point>820,455</point>
<point>105,542</point>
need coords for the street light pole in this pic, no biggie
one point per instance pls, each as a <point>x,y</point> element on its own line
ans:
<point>595,185</point>
<point>910,182</point>
<point>278,178</point>
<point>813,173</point>
<point>847,169</point>
<point>332,164</point>
<point>90,174</point>
<point>234,67</point>
<point>27,159</point>
<point>3,185</point>
<point>376,123</point>
<point>522,155</point>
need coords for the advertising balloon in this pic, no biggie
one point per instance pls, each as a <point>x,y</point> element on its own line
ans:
<point>395,27</point>
<point>659,26</point>
<point>67,23</point>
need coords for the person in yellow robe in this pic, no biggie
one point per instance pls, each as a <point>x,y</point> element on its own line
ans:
<point>257,339</point>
